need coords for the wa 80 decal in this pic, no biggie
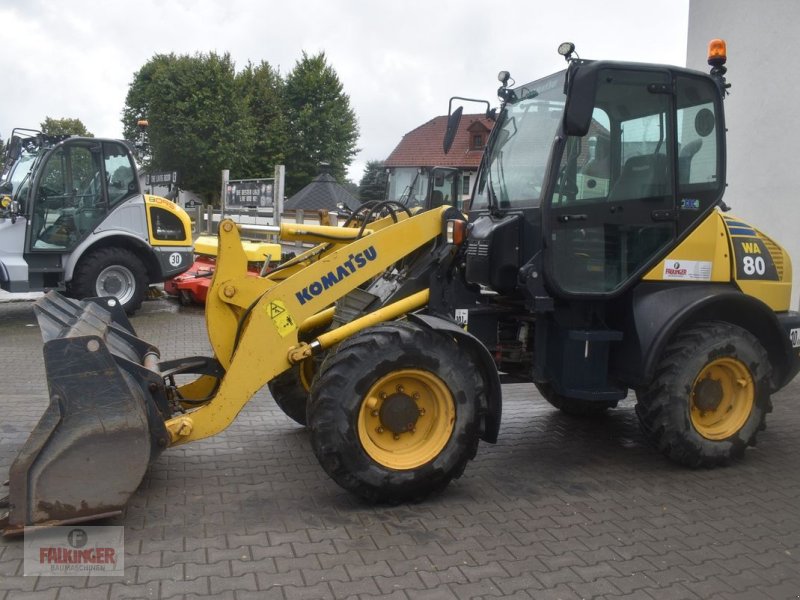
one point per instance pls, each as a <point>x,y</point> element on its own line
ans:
<point>353,263</point>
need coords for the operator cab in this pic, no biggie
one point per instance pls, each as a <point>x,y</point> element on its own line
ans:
<point>78,183</point>
<point>592,174</point>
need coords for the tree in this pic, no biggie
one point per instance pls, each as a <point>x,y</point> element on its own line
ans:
<point>322,126</point>
<point>373,182</point>
<point>262,88</point>
<point>199,121</point>
<point>64,126</point>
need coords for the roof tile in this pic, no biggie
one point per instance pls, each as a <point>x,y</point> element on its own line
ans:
<point>422,147</point>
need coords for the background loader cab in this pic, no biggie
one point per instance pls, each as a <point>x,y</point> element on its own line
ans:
<point>430,188</point>
<point>75,218</point>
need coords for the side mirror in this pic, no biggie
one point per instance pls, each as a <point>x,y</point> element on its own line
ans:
<point>582,82</point>
<point>14,148</point>
<point>453,121</point>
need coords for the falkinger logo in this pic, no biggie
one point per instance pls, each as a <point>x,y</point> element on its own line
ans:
<point>75,551</point>
<point>676,270</point>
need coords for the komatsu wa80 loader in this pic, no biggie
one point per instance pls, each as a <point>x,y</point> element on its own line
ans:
<point>597,259</point>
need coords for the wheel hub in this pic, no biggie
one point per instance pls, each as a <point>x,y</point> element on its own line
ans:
<point>722,398</point>
<point>708,394</point>
<point>399,413</point>
<point>406,419</point>
<point>112,285</point>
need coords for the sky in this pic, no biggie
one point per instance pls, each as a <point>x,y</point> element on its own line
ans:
<point>399,62</point>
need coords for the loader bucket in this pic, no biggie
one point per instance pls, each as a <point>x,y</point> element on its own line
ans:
<point>104,423</point>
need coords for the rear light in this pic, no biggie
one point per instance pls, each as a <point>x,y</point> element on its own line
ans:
<point>456,232</point>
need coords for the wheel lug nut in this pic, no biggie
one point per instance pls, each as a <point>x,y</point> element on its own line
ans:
<point>379,430</point>
<point>421,412</point>
<point>397,436</point>
<point>400,389</point>
<point>374,413</point>
<point>382,395</point>
<point>416,396</point>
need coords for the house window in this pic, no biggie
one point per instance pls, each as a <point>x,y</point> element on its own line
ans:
<point>477,142</point>
<point>465,185</point>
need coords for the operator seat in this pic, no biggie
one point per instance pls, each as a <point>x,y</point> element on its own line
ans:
<point>685,157</point>
<point>642,176</point>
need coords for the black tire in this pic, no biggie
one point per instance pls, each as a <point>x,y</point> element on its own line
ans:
<point>710,396</point>
<point>575,407</point>
<point>290,390</point>
<point>369,450</point>
<point>111,272</point>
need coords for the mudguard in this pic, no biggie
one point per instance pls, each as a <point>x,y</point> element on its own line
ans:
<point>494,394</point>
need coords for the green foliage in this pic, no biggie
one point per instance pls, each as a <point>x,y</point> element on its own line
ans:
<point>199,121</point>
<point>262,88</point>
<point>204,117</point>
<point>322,125</point>
<point>64,126</point>
<point>373,182</point>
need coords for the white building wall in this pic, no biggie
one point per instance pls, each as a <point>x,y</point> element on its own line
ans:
<point>762,111</point>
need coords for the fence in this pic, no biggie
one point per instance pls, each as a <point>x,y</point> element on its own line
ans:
<point>206,219</point>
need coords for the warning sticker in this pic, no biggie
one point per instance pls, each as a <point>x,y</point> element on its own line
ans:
<point>794,337</point>
<point>283,321</point>
<point>687,270</point>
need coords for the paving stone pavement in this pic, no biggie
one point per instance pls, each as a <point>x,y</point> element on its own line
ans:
<point>559,508</point>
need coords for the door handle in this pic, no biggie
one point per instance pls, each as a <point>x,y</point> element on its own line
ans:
<point>568,218</point>
<point>663,215</point>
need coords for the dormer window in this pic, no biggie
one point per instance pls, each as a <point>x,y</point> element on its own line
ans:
<point>478,134</point>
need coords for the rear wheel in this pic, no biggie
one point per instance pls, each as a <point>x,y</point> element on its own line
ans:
<point>394,412</point>
<point>710,397</point>
<point>575,407</point>
<point>290,390</point>
<point>114,272</point>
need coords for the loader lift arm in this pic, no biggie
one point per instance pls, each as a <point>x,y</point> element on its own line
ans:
<point>273,311</point>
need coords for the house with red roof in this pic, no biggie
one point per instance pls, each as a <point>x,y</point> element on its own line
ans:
<point>421,149</point>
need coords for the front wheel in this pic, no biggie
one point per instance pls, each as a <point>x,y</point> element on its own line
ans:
<point>114,272</point>
<point>394,412</point>
<point>710,396</point>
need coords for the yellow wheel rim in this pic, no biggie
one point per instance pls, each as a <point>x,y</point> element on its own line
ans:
<point>722,398</point>
<point>406,419</point>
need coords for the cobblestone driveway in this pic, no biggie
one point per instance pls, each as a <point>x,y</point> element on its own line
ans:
<point>559,508</point>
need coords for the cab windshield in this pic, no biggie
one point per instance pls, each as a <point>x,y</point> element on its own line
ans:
<point>514,171</point>
<point>18,173</point>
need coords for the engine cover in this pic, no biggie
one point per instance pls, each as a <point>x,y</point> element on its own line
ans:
<point>492,252</point>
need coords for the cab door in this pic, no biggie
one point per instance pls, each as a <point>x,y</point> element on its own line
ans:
<point>612,207</point>
<point>69,196</point>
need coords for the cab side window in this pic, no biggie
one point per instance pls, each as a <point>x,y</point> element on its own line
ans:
<point>699,149</point>
<point>120,173</point>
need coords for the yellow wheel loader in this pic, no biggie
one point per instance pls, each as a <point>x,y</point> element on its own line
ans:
<point>597,258</point>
